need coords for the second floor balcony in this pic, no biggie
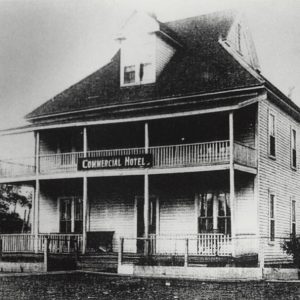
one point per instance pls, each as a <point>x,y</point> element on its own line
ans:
<point>163,157</point>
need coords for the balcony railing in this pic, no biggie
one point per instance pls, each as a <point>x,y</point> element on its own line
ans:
<point>185,155</point>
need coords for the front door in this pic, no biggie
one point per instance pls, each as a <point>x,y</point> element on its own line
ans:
<point>71,216</point>
<point>153,218</point>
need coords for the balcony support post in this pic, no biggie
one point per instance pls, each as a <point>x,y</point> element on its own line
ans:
<point>36,199</point>
<point>146,213</point>
<point>231,180</point>
<point>36,215</point>
<point>37,152</point>
<point>85,142</point>
<point>146,138</point>
<point>84,223</point>
<point>146,195</point>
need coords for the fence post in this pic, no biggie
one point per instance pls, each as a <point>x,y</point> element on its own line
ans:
<point>76,251</point>
<point>120,253</point>
<point>46,251</point>
<point>186,254</point>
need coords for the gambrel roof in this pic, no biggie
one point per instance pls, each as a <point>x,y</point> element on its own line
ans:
<point>201,65</point>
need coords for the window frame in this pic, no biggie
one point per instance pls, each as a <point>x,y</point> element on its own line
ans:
<point>272,217</point>
<point>273,117</point>
<point>130,72</point>
<point>73,220</point>
<point>293,148</point>
<point>293,228</point>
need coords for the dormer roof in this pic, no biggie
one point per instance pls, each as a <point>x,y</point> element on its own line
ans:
<point>201,65</point>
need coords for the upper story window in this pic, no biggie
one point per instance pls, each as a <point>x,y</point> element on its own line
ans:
<point>293,217</point>
<point>293,149</point>
<point>129,74</point>
<point>272,217</point>
<point>272,135</point>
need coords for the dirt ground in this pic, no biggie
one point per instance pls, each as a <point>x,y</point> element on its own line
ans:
<point>94,286</point>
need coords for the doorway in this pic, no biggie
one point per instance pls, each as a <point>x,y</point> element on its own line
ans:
<point>71,215</point>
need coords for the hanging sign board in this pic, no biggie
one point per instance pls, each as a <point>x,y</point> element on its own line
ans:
<point>115,162</point>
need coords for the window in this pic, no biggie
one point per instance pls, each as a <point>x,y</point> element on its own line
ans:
<point>129,74</point>
<point>293,218</point>
<point>272,217</point>
<point>293,149</point>
<point>224,222</point>
<point>65,215</point>
<point>272,130</point>
<point>71,215</point>
<point>214,213</point>
<point>206,212</point>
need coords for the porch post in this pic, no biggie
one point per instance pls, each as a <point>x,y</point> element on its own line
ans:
<point>232,184</point>
<point>35,223</point>
<point>85,142</point>
<point>146,194</point>
<point>146,212</point>
<point>146,138</point>
<point>84,225</point>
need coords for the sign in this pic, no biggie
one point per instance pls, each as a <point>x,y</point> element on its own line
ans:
<point>115,162</point>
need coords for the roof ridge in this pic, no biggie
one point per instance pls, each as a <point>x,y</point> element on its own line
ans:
<point>219,12</point>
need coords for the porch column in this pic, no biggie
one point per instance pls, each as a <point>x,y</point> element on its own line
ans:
<point>85,142</point>
<point>231,179</point>
<point>35,223</point>
<point>146,193</point>
<point>146,210</point>
<point>84,221</point>
<point>146,138</point>
<point>37,152</point>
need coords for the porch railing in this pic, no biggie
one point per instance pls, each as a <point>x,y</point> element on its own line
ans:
<point>206,244</point>
<point>185,155</point>
<point>28,243</point>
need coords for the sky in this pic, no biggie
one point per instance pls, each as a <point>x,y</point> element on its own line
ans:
<point>48,45</point>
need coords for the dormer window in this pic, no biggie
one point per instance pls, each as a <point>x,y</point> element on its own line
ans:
<point>129,74</point>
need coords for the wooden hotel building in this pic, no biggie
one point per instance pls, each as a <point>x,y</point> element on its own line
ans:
<point>178,140</point>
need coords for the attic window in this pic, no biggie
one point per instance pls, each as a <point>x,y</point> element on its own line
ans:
<point>129,74</point>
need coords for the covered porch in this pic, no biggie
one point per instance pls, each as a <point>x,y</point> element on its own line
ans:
<point>185,212</point>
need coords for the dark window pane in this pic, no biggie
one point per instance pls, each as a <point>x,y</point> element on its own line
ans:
<point>272,230</point>
<point>272,145</point>
<point>294,229</point>
<point>294,158</point>
<point>209,205</point>
<point>129,74</point>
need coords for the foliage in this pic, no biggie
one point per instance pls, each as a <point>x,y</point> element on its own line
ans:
<point>10,220</point>
<point>292,247</point>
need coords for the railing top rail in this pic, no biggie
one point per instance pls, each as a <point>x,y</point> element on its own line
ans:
<point>191,144</point>
<point>133,148</point>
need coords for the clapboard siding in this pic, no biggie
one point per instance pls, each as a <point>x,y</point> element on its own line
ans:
<point>276,176</point>
<point>244,126</point>
<point>112,208</point>
<point>177,216</point>
<point>164,53</point>
<point>245,206</point>
<point>48,212</point>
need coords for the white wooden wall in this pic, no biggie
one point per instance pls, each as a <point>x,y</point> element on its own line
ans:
<point>276,176</point>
